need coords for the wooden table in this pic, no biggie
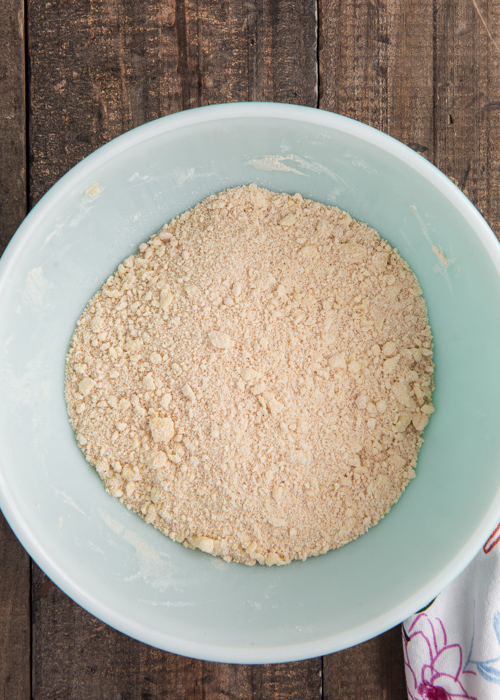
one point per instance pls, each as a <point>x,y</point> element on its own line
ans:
<point>75,74</point>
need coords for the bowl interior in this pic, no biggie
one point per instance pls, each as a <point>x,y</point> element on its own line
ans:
<point>122,569</point>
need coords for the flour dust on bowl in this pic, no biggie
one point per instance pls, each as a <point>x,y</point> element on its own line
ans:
<point>119,567</point>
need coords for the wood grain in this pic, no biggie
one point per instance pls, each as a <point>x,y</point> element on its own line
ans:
<point>372,671</point>
<point>376,66</point>
<point>98,69</point>
<point>101,68</point>
<point>467,101</point>
<point>14,562</point>
<point>15,681</point>
<point>426,73</point>
<point>79,657</point>
<point>12,120</point>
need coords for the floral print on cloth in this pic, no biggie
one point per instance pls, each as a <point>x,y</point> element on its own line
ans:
<point>452,647</point>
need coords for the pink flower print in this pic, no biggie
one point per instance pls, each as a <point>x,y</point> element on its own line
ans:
<point>433,667</point>
<point>433,693</point>
<point>492,540</point>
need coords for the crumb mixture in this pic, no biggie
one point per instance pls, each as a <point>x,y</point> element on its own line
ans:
<point>255,381</point>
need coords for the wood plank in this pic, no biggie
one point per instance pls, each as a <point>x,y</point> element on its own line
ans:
<point>467,109</point>
<point>301,680</point>
<point>14,562</point>
<point>244,50</point>
<point>98,69</point>
<point>15,676</point>
<point>376,64</point>
<point>79,657</point>
<point>437,91</point>
<point>372,671</point>
<point>12,120</point>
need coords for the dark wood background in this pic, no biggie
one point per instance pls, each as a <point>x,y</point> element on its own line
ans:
<point>76,73</point>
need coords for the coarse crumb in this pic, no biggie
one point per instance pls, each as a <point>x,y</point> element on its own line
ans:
<point>255,381</point>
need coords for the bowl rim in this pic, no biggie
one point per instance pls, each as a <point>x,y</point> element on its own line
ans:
<point>40,552</point>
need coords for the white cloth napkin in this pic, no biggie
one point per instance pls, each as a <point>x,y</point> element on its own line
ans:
<point>452,647</point>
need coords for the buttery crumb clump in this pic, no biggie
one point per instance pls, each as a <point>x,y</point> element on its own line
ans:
<point>255,381</point>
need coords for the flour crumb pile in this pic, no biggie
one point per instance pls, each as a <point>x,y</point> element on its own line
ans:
<point>255,381</point>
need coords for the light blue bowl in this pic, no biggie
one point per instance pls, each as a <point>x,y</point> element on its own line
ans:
<point>108,559</point>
